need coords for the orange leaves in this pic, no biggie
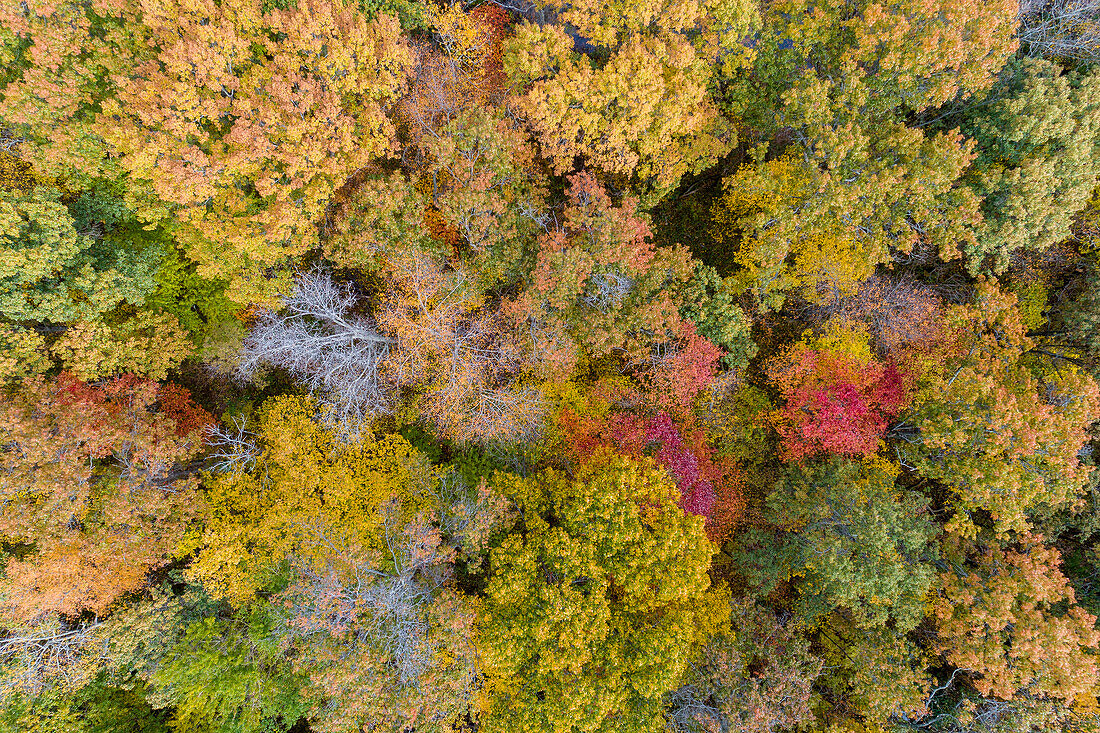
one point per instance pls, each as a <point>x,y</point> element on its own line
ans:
<point>468,368</point>
<point>97,525</point>
<point>1001,623</point>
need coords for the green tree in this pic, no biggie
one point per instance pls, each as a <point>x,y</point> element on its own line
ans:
<point>1038,144</point>
<point>51,273</point>
<point>230,676</point>
<point>849,538</point>
<point>596,601</point>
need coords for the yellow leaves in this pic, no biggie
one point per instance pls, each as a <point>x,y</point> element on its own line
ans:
<point>310,496</point>
<point>462,38</point>
<point>148,344</point>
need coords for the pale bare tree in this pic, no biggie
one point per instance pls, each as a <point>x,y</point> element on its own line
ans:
<point>317,338</point>
<point>1061,29</point>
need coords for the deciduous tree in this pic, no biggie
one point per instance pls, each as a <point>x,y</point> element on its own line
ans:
<point>91,481</point>
<point>595,602</point>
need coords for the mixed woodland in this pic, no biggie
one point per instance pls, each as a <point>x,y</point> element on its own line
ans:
<point>524,366</point>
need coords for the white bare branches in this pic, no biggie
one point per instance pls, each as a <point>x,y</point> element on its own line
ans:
<point>605,291</point>
<point>235,448</point>
<point>1061,29</point>
<point>338,356</point>
<point>51,652</point>
<point>382,603</point>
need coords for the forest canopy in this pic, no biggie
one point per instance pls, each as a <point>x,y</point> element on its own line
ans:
<point>525,366</point>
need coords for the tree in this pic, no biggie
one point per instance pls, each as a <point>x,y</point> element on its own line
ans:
<point>755,678</point>
<point>838,398</point>
<point>431,334</point>
<point>707,301</point>
<point>878,674</point>
<point>51,273</point>
<point>300,477</point>
<point>1060,29</point>
<point>709,484</point>
<point>229,675</point>
<point>1001,431</point>
<point>905,320</point>
<point>855,539</point>
<point>91,480</point>
<point>598,279</point>
<point>385,638</point>
<point>244,121</point>
<point>595,603</point>
<point>1038,140</point>
<point>644,112</point>
<point>1007,617</point>
<point>62,62</point>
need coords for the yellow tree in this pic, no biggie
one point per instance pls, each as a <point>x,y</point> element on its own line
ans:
<point>642,113</point>
<point>596,602</point>
<point>248,121</point>
<point>293,490</point>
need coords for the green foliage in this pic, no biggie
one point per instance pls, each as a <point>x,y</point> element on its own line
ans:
<point>1038,136</point>
<point>706,300</point>
<point>50,272</point>
<point>596,602</point>
<point>199,304</point>
<point>95,708</point>
<point>850,539</point>
<point>229,676</point>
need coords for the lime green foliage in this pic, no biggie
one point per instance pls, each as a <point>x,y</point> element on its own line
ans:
<point>596,602</point>
<point>707,301</point>
<point>199,304</point>
<point>230,676</point>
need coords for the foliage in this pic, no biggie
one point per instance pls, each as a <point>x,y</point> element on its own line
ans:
<point>642,112</point>
<point>1002,616</point>
<point>302,489</point>
<point>595,603</point>
<point>1002,437</point>
<point>229,676</point>
<point>755,678</point>
<point>51,273</point>
<point>1038,136</point>
<point>89,481</point>
<point>837,401</point>
<point>852,538</point>
<point>706,300</point>
<point>709,485</point>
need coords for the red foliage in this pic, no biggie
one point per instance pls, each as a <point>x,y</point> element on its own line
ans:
<point>494,20</point>
<point>709,485</point>
<point>685,370</point>
<point>176,403</point>
<point>835,403</point>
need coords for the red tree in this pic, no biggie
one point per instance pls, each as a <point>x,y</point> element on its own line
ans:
<point>835,403</point>
<point>709,484</point>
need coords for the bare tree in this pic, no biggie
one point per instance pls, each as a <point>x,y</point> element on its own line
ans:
<point>1061,29</point>
<point>337,355</point>
<point>235,448</point>
<point>50,652</point>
